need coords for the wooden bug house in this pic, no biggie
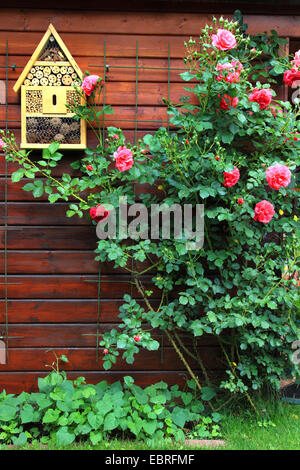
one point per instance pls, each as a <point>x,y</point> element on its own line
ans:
<point>47,86</point>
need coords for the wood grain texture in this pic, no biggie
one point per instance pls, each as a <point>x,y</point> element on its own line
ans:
<point>49,238</point>
<point>92,45</point>
<point>23,359</point>
<point>62,262</point>
<point>138,22</point>
<point>80,335</point>
<point>69,286</point>
<point>16,382</point>
<point>51,300</point>
<point>61,311</point>
<point>120,69</point>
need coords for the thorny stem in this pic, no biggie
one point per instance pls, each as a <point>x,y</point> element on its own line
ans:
<point>140,289</point>
<point>234,373</point>
<point>185,362</point>
<point>201,364</point>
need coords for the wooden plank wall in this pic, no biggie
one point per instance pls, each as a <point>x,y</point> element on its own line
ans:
<point>51,303</point>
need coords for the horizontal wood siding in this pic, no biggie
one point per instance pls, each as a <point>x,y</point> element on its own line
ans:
<point>52,291</point>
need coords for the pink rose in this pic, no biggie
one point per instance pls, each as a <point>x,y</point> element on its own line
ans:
<point>227,102</point>
<point>264,211</point>
<point>291,76</point>
<point>231,177</point>
<point>223,40</point>
<point>278,176</point>
<point>296,61</point>
<point>276,110</point>
<point>233,68</point>
<point>99,213</point>
<point>262,97</point>
<point>124,159</point>
<point>2,144</point>
<point>89,84</point>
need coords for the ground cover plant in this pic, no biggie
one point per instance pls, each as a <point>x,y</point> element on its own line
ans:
<point>234,147</point>
<point>63,412</point>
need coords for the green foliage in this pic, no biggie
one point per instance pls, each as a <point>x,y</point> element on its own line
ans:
<point>66,411</point>
<point>239,287</point>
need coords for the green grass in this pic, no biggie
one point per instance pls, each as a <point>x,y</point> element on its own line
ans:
<point>279,429</point>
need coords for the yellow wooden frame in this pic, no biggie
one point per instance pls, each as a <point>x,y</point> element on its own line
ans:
<point>25,114</point>
<point>34,58</point>
<point>19,84</point>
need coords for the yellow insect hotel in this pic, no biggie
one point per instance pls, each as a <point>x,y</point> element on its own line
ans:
<point>47,88</point>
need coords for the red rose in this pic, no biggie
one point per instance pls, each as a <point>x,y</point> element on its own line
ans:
<point>290,76</point>
<point>262,97</point>
<point>89,84</point>
<point>89,167</point>
<point>217,157</point>
<point>223,40</point>
<point>99,213</point>
<point>231,177</point>
<point>116,137</point>
<point>124,159</point>
<point>105,351</point>
<point>294,137</point>
<point>227,102</point>
<point>240,200</point>
<point>278,176</point>
<point>264,211</point>
<point>137,338</point>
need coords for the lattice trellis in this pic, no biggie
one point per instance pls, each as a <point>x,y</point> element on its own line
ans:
<point>56,122</point>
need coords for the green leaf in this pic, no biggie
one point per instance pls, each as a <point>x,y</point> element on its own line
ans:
<point>28,187</point>
<point>7,412</point>
<point>53,197</point>
<point>64,437</point>
<point>38,191</point>
<point>29,415</point>
<point>95,437</point>
<point>53,147</point>
<point>179,416</point>
<point>95,420</point>
<point>17,175</point>
<point>150,426</point>
<point>187,76</point>
<point>227,137</point>
<point>20,440</point>
<point>207,393</point>
<point>51,416</point>
<point>110,422</point>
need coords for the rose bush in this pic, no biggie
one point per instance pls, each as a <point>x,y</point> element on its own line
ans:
<point>229,150</point>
